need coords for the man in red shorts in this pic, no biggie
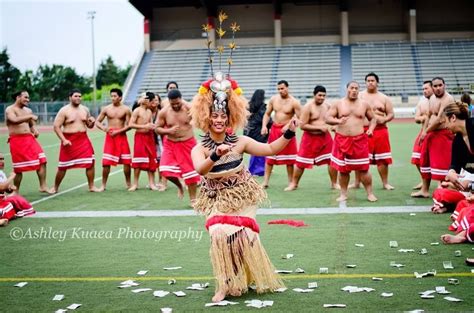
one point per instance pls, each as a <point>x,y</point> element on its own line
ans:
<point>285,107</point>
<point>436,140</point>
<point>351,145</point>
<point>174,122</point>
<point>116,148</point>
<point>76,150</point>
<point>421,114</point>
<point>316,142</point>
<point>27,154</point>
<point>379,143</point>
<point>144,147</point>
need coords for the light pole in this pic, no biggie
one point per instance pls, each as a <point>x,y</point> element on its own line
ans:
<point>91,16</point>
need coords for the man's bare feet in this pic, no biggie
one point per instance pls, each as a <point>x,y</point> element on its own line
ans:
<point>44,189</point>
<point>335,186</point>
<point>218,296</point>
<point>341,198</point>
<point>388,187</point>
<point>133,188</point>
<point>153,187</point>
<point>180,193</point>
<point>417,187</point>
<point>354,186</point>
<point>95,189</point>
<point>52,191</point>
<point>451,239</point>
<point>291,187</point>
<point>3,222</point>
<point>420,194</point>
<point>161,187</point>
<point>101,188</point>
<point>371,197</point>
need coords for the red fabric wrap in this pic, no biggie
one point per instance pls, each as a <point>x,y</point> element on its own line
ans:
<point>233,220</point>
<point>15,206</point>
<point>379,146</point>
<point>465,221</point>
<point>27,154</point>
<point>447,197</point>
<point>144,151</point>
<point>314,150</point>
<point>176,160</point>
<point>80,154</point>
<point>436,154</point>
<point>116,150</point>
<point>416,154</point>
<point>288,154</point>
<point>350,153</point>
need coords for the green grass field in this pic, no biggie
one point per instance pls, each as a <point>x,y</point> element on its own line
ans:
<point>65,255</point>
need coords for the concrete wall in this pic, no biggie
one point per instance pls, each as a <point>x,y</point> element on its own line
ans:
<point>369,20</point>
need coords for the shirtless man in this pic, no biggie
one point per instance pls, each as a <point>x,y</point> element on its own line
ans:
<point>116,148</point>
<point>316,142</point>
<point>174,122</point>
<point>421,114</point>
<point>27,154</point>
<point>285,107</point>
<point>379,143</point>
<point>76,150</point>
<point>351,145</point>
<point>144,148</point>
<point>435,140</point>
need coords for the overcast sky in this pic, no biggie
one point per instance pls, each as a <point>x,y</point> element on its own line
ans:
<point>58,32</point>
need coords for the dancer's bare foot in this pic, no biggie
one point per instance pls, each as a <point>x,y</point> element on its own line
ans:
<point>3,222</point>
<point>341,198</point>
<point>291,187</point>
<point>354,186</point>
<point>371,197</point>
<point>95,189</point>
<point>418,187</point>
<point>101,188</point>
<point>451,239</point>
<point>420,194</point>
<point>335,186</point>
<point>218,296</point>
<point>264,186</point>
<point>388,187</point>
<point>153,187</point>
<point>133,188</point>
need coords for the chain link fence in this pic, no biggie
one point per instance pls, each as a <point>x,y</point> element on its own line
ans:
<point>47,111</point>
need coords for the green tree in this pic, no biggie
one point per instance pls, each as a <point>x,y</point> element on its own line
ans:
<point>26,83</point>
<point>9,76</point>
<point>109,73</point>
<point>53,82</point>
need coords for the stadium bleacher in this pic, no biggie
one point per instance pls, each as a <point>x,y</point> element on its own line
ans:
<point>402,67</point>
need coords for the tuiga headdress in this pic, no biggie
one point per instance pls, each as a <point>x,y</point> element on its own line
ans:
<point>221,92</point>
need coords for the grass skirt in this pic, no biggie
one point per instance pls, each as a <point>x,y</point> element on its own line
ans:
<point>239,260</point>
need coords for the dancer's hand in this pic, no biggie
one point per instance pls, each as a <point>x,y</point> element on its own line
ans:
<point>223,149</point>
<point>293,124</point>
